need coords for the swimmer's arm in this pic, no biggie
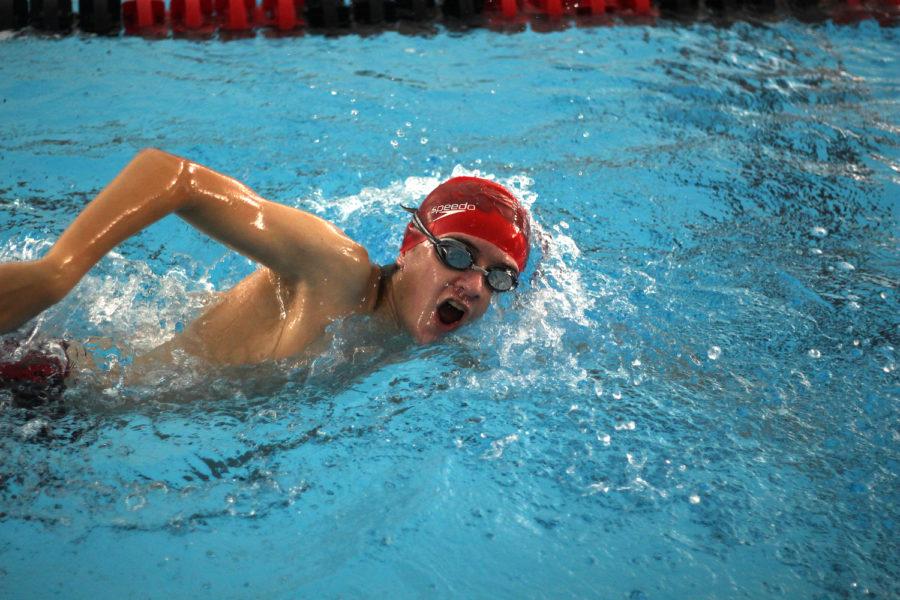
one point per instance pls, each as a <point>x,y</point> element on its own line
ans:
<point>296,245</point>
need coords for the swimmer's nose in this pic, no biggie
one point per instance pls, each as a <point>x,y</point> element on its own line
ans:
<point>471,283</point>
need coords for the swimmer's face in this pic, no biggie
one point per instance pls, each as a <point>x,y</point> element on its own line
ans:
<point>432,299</point>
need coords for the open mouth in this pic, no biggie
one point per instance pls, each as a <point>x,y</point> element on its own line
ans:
<point>450,312</point>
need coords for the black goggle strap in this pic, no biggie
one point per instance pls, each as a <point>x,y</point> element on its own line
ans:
<point>417,222</point>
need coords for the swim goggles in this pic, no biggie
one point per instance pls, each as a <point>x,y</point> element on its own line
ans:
<point>458,256</point>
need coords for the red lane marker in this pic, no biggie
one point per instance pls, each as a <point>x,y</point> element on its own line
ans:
<point>193,14</point>
<point>509,8</point>
<point>145,17</point>
<point>238,17</point>
<point>192,18</point>
<point>286,14</point>
<point>144,13</point>
<point>285,18</point>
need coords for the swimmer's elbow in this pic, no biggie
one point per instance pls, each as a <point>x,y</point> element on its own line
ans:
<point>150,158</point>
<point>168,170</point>
<point>151,153</point>
<point>160,160</point>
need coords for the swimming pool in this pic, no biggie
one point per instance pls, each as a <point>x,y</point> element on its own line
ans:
<point>694,394</point>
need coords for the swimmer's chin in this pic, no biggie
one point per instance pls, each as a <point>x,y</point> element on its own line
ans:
<point>425,338</point>
<point>435,331</point>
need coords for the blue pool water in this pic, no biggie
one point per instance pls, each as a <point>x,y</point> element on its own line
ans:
<point>693,395</point>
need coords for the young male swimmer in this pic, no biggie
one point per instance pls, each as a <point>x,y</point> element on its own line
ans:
<point>467,241</point>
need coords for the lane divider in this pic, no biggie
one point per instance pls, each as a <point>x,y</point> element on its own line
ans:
<point>237,18</point>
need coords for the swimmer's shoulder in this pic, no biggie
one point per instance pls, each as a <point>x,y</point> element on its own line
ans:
<point>343,276</point>
<point>358,284</point>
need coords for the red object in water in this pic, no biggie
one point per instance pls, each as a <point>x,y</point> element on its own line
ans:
<point>191,14</point>
<point>594,8</point>
<point>144,16</point>
<point>508,8</point>
<point>284,15</point>
<point>238,17</point>
<point>237,14</point>
<point>641,7</point>
<point>36,365</point>
<point>554,8</point>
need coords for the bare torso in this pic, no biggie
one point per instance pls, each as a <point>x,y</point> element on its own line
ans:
<point>262,318</point>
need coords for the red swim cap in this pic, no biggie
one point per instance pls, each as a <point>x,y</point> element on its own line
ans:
<point>476,207</point>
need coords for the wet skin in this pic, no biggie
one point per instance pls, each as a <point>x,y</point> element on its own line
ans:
<point>310,274</point>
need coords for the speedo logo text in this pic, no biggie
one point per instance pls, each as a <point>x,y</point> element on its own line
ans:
<point>452,208</point>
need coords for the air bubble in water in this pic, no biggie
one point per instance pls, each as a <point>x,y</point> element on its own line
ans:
<point>598,487</point>
<point>714,352</point>
<point>818,232</point>
<point>844,266</point>
<point>814,353</point>
<point>135,502</point>
<point>694,499</point>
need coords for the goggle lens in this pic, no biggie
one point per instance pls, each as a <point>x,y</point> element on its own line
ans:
<point>456,256</point>
<point>500,280</point>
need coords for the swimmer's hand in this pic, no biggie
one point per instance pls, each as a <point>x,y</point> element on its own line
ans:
<point>26,289</point>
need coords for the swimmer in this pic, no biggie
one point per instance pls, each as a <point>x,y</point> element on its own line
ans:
<point>468,241</point>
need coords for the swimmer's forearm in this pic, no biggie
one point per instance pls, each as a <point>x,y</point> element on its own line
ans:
<point>26,289</point>
<point>150,187</point>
